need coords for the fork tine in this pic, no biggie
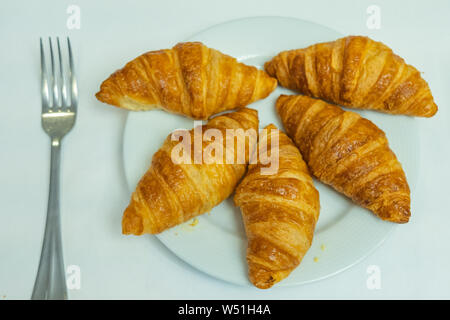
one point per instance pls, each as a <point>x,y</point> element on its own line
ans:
<point>73,81</point>
<point>44,81</point>
<point>54,84</point>
<point>62,79</point>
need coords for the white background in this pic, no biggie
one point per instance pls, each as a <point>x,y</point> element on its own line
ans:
<point>414,260</point>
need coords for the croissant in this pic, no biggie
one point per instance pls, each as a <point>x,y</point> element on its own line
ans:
<point>356,72</point>
<point>348,152</point>
<point>189,79</point>
<point>280,211</point>
<point>172,192</point>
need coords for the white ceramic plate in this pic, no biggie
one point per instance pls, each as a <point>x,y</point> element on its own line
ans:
<point>216,245</point>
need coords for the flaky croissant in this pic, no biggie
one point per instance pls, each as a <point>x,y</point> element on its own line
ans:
<point>189,79</point>
<point>280,211</point>
<point>356,72</point>
<point>172,192</point>
<point>349,153</point>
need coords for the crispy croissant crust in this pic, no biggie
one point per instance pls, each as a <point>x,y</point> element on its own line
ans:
<point>349,153</point>
<point>189,79</point>
<point>280,212</point>
<point>171,193</point>
<point>356,72</point>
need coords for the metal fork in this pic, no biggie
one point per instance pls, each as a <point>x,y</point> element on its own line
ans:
<point>59,108</point>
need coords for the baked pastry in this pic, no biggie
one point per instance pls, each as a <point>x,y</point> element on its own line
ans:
<point>280,211</point>
<point>348,152</point>
<point>189,79</point>
<point>356,72</point>
<point>178,187</point>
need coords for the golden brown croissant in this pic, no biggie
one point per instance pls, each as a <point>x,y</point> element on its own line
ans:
<point>172,192</point>
<point>356,72</point>
<point>349,153</point>
<point>280,212</point>
<point>189,79</point>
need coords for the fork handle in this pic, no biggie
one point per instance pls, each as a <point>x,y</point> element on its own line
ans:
<point>50,280</point>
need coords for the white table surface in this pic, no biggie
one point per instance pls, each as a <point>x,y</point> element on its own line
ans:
<point>414,260</point>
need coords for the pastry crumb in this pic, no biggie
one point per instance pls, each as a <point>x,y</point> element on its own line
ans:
<point>322,247</point>
<point>316,259</point>
<point>194,222</point>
